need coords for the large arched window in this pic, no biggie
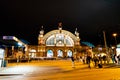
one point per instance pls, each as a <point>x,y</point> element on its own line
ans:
<point>49,53</point>
<point>50,41</point>
<point>69,53</point>
<point>59,39</point>
<point>59,53</point>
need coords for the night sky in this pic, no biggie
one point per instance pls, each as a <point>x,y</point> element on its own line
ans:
<point>24,18</point>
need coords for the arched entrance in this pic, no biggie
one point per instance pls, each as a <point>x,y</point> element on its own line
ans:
<point>59,53</point>
<point>49,53</point>
<point>69,53</point>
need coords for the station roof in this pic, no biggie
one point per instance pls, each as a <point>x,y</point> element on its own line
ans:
<point>11,41</point>
<point>87,44</point>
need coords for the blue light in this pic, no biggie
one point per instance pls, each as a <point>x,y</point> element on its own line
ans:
<point>19,44</point>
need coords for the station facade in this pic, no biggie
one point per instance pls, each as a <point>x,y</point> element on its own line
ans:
<point>55,43</point>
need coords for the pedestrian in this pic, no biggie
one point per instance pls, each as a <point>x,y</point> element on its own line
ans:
<point>89,54</point>
<point>104,59</point>
<point>96,60</point>
<point>116,59</point>
<point>83,59</point>
<point>113,57</point>
<point>88,60</point>
<point>73,63</point>
<point>100,59</point>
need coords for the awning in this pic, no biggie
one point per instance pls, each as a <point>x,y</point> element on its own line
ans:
<point>88,44</point>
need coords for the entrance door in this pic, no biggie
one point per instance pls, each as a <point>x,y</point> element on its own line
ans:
<point>49,53</point>
<point>59,53</point>
<point>69,53</point>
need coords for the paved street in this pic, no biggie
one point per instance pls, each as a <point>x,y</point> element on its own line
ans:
<point>86,74</point>
<point>57,70</point>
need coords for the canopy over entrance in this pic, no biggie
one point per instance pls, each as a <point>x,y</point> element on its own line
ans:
<point>88,44</point>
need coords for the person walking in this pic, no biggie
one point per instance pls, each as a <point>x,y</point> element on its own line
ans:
<point>89,57</point>
<point>96,60</point>
<point>73,63</point>
<point>88,60</point>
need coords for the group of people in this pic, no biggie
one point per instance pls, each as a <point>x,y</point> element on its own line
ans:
<point>88,59</point>
<point>96,60</point>
<point>92,59</point>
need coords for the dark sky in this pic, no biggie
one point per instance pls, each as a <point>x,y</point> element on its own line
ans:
<point>24,18</point>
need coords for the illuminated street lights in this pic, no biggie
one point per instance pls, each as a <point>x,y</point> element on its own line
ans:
<point>114,35</point>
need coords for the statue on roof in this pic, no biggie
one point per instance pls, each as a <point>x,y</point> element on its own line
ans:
<point>60,26</point>
<point>76,33</point>
<point>42,31</point>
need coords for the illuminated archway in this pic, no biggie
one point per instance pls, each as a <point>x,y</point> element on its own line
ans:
<point>55,38</point>
<point>69,53</point>
<point>59,53</point>
<point>49,53</point>
<point>59,40</point>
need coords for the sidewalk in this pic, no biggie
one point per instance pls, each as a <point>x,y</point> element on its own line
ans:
<point>34,66</point>
<point>17,68</point>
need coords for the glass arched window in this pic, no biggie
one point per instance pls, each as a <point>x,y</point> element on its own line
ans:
<point>59,39</point>
<point>60,53</point>
<point>69,53</point>
<point>49,53</point>
<point>50,41</point>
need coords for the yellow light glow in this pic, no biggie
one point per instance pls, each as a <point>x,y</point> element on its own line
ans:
<point>114,34</point>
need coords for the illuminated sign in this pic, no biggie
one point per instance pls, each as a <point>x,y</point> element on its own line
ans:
<point>8,37</point>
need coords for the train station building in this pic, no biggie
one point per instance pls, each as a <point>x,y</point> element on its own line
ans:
<point>55,43</point>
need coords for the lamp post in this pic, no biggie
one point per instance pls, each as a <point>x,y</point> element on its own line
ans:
<point>114,35</point>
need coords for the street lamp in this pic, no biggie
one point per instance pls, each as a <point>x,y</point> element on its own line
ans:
<point>114,35</point>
